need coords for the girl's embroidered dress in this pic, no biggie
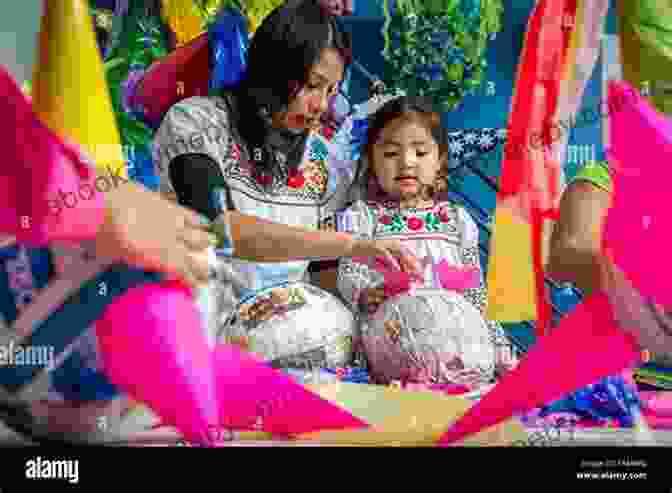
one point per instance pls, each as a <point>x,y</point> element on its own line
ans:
<point>436,334</point>
<point>269,307</point>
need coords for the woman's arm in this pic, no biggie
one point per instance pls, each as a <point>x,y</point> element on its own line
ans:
<point>575,251</point>
<point>265,241</point>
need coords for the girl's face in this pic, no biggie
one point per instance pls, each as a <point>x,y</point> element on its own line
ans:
<point>405,158</point>
<point>312,101</point>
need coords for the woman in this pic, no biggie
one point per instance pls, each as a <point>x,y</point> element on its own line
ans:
<point>256,147</point>
<point>576,254</point>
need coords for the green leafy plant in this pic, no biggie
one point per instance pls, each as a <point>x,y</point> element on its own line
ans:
<point>437,48</point>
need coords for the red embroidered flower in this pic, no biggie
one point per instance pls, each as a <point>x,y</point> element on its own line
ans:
<point>235,152</point>
<point>414,223</point>
<point>385,220</point>
<point>443,215</point>
<point>327,132</point>
<point>264,179</point>
<point>340,373</point>
<point>296,179</point>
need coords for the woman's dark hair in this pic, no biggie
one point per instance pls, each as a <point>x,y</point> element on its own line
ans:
<point>282,52</point>
<point>408,108</point>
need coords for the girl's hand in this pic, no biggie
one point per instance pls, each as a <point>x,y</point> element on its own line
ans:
<point>390,250</point>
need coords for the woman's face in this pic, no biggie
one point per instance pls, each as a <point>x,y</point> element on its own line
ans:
<point>312,101</point>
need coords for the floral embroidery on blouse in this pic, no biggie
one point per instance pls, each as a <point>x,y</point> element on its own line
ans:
<point>308,181</point>
<point>437,219</point>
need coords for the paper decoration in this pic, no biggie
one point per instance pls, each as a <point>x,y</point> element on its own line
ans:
<point>69,75</point>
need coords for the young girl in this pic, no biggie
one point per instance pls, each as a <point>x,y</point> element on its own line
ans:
<point>437,334</point>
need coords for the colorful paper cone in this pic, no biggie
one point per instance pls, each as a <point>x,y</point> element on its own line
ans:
<point>43,178</point>
<point>69,90</point>
<point>151,350</point>
<point>586,346</point>
<point>641,193</point>
<point>184,19</point>
<point>253,395</point>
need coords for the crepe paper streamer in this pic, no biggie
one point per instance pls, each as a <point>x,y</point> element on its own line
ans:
<point>183,73</point>
<point>402,417</point>
<point>572,356</point>
<point>254,395</point>
<point>645,35</point>
<point>163,362</point>
<point>184,19</point>
<point>584,50</point>
<point>640,196</point>
<point>457,279</point>
<point>531,179</point>
<point>396,281</point>
<point>39,171</point>
<point>228,47</point>
<point>69,91</point>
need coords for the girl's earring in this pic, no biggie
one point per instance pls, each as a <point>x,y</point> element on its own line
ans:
<point>441,183</point>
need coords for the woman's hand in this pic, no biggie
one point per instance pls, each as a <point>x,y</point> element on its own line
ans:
<point>148,231</point>
<point>390,250</point>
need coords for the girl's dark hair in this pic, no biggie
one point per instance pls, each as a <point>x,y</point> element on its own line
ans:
<point>408,108</point>
<point>282,52</point>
